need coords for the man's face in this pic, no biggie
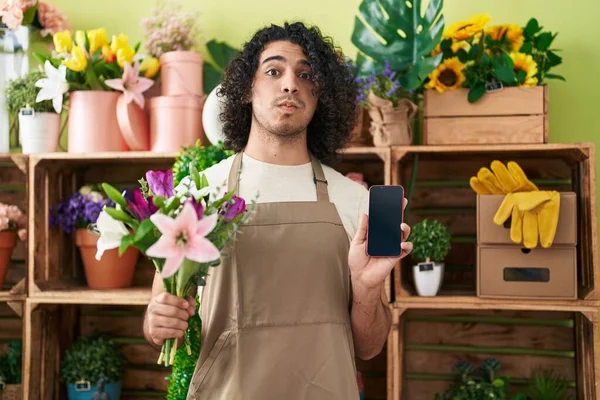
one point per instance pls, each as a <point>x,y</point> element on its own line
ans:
<point>284,96</point>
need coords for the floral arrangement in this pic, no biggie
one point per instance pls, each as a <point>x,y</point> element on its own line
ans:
<point>79,210</point>
<point>183,229</point>
<point>12,218</point>
<point>483,58</point>
<point>39,14</point>
<point>169,29</point>
<point>90,61</point>
<point>385,85</point>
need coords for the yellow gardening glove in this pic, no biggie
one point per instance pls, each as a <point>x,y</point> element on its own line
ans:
<point>503,179</point>
<point>534,214</point>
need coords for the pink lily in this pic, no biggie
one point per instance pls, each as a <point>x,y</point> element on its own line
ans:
<point>183,237</point>
<point>131,84</point>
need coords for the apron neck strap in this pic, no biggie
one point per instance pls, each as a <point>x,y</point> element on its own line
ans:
<point>318,176</point>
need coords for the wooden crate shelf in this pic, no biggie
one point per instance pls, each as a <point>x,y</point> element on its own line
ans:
<point>53,327</point>
<point>11,326</point>
<point>425,344</point>
<point>441,191</point>
<point>14,190</point>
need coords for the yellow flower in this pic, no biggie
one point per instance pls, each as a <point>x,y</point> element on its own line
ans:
<point>514,34</point>
<point>465,29</point>
<point>77,62</point>
<point>80,39</point>
<point>150,67</point>
<point>455,47</point>
<point>125,54</point>
<point>118,42</point>
<point>524,62</point>
<point>448,75</point>
<point>97,38</point>
<point>63,42</point>
<point>108,55</point>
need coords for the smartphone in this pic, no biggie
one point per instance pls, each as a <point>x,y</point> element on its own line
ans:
<point>384,233</point>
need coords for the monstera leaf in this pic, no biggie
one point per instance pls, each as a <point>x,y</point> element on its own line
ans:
<point>221,53</point>
<point>408,38</point>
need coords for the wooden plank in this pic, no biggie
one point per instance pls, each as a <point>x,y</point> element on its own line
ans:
<point>509,101</point>
<point>142,379</point>
<point>81,295</point>
<point>140,354</point>
<point>12,328</point>
<point>424,389</point>
<point>130,326</point>
<point>12,176</point>
<point>485,130</point>
<point>119,173</point>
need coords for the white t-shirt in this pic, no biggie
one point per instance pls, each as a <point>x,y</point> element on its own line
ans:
<point>281,183</point>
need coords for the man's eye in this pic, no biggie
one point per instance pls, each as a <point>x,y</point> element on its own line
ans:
<point>306,75</point>
<point>272,72</point>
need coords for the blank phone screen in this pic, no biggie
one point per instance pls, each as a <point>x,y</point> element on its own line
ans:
<point>385,218</point>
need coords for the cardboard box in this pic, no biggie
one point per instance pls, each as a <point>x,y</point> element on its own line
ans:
<point>490,233</point>
<point>515,272</point>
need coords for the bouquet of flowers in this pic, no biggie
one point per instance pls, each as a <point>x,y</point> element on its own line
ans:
<point>483,58</point>
<point>90,61</point>
<point>13,219</point>
<point>38,14</point>
<point>184,230</point>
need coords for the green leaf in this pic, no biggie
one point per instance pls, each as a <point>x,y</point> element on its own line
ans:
<point>119,215</point>
<point>531,28</point>
<point>41,57</point>
<point>365,66</point>
<point>415,76</point>
<point>172,204</point>
<point>195,176</point>
<point>137,46</point>
<point>203,181</point>
<point>114,194</point>
<point>29,15</point>
<point>145,227</point>
<point>446,44</point>
<point>126,241</point>
<point>476,93</point>
<point>221,53</point>
<point>211,77</point>
<point>485,60</point>
<point>474,52</point>
<point>463,56</point>
<point>505,74</point>
<point>555,76</point>
<point>159,201</point>
<point>527,48</point>
<point>521,76</point>
<point>377,33</point>
<point>92,79</point>
<point>553,60</point>
<point>543,41</point>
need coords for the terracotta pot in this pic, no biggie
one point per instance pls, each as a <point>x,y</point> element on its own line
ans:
<point>391,126</point>
<point>8,241</point>
<point>111,271</point>
<point>93,124</point>
<point>176,122</point>
<point>181,73</point>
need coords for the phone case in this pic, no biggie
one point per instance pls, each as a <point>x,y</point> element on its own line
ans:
<point>367,241</point>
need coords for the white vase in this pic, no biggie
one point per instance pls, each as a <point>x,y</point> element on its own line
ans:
<point>14,63</point>
<point>38,132</point>
<point>428,278</point>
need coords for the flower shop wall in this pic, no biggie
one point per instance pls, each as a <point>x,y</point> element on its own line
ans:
<point>573,114</point>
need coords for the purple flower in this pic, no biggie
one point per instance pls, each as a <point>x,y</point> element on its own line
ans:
<point>160,182</point>
<point>141,207</point>
<point>233,208</point>
<point>77,212</point>
<point>197,206</point>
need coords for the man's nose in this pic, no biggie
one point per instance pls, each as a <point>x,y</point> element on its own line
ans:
<point>289,84</point>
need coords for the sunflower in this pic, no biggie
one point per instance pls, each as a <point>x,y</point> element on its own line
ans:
<point>524,62</point>
<point>455,47</point>
<point>465,29</point>
<point>514,34</point>
<point>448,75</point>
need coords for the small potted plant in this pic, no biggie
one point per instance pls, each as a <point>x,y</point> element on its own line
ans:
<point>431,243</point>
<point>39,122</point>
<point>13,224</point>
<point>93,364</point>
<point>10,372</point>
<point>74,215</point>
<point>389,106</point>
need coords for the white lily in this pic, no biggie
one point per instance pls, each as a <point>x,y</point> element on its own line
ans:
<point>111,233</point>
<point>187,188</point>
<point>54,86</point>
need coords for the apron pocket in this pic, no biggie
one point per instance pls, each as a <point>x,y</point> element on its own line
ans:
<point>204,369</point>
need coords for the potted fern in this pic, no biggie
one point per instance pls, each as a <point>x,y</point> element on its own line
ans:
<point>93,364</point>
<point>431,243</point>
<point>39,123</point>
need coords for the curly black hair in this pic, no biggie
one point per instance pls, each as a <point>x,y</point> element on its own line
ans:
<point>335,114</point>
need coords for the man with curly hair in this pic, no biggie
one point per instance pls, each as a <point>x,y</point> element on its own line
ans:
<point>297,298</point>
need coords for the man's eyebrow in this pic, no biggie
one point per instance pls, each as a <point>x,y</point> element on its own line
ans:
<point>282,58</point>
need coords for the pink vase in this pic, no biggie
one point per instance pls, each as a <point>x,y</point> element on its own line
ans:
<point>175,122</point>
<point>181,73</point>
<point>93,124</point>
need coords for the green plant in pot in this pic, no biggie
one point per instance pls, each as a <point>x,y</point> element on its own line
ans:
<point>10,370</point>
<point>38,121</point>
<point>431,243</point>
<point>93,360</point>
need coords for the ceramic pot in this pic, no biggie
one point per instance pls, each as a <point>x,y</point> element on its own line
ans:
<point>391,126</point>
<point>93,125</point>
<point>85,392</point>
<point>39,131</point>
<point>8,241</point>
<point>111,271</point>
<point>428,278</point>
<point>181,73</point>
<point>176,122</point>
